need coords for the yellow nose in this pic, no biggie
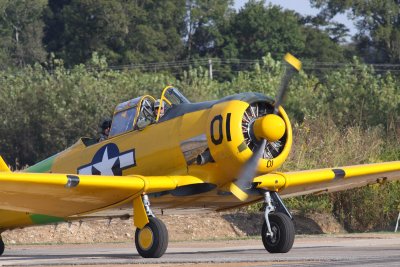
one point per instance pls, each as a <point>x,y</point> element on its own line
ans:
<point>270,127</point>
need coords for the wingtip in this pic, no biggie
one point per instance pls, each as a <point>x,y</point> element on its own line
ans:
<point>3,165</point>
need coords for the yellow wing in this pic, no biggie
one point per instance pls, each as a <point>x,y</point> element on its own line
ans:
<point>329,179</point>
<point>64,195</point>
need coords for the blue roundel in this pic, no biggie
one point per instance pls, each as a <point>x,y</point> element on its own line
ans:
<point>109,161</point>
<point>112,151</point>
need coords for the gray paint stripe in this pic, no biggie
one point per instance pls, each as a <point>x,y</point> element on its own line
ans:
<point>339,173</point>
<point>242,146</point>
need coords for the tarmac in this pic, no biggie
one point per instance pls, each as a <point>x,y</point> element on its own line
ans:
<point>316,250</point>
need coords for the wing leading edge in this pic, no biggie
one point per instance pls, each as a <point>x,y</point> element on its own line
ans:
<point>329,179</point>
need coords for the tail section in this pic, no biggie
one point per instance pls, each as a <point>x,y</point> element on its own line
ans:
<point>3,165</point>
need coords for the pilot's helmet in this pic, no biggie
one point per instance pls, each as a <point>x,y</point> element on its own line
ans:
<point>105,124</point>
<point>157,104</point>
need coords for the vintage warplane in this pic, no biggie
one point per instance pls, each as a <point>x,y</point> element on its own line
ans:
<point>217,155</point>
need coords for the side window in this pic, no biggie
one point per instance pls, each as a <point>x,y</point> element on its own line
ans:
<point>123,121</point>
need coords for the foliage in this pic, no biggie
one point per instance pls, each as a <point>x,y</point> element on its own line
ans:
<point>123,31</point>
<point>143,32</point>
<point>319,47</point>
<point>258,29</point>
<point>374,207</point>
<point>21,32</point>
<point>205,23</point>
<point>320,143</point>
<point>378,23</point>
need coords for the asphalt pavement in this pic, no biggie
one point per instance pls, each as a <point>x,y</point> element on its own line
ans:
<point>325,250</point>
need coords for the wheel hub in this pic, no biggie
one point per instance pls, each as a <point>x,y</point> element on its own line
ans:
<point>146,238</point>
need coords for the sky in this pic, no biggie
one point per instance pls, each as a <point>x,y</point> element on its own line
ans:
<point>303,7</point>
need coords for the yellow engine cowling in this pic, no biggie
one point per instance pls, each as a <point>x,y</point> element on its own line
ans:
<point>231,138</point>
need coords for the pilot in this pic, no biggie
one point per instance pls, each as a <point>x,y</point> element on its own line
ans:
<point>158,105</point>
<point>105,129</point>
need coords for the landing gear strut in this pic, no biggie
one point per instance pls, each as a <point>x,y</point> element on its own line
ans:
<point>151,240</point>
<point>277,232</point>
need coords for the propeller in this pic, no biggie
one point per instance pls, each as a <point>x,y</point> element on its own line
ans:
<point>269,128</point>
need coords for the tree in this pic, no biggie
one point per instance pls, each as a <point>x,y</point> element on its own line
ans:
<point>378,23</point>
<point>122,31</point>
<point>205,24</point>
<point>156,30</point>
<point>258,29</point>
<point>86,26</point>
<point>21,32</point>
<point>323,40</point>
<point>320,48</point>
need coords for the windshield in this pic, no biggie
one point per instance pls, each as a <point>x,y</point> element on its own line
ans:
<point>123,121</point>
<point>134,114</point>
<point>124,116</point>
<point>171,97</point>
<point>174,96</point>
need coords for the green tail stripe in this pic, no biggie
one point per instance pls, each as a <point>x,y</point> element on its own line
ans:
<point>43,166</point>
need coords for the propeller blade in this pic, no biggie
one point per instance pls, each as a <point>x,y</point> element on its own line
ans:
<point>246,175</point>
<point>249,170</point>
<point>293,66</point>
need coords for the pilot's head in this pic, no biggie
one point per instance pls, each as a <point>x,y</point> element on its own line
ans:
<point>158,105</point>
<point>106,126</point>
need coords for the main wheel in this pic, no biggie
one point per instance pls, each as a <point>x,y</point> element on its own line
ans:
<point>152,240</point>
<point>283,233</point>
<point>2,246</point>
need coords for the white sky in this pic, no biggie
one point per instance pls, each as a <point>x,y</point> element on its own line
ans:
<point>303,7</point>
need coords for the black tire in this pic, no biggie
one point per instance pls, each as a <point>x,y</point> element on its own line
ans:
<point>152,240</point>
<point>2,246</point>
<point>283,230</point>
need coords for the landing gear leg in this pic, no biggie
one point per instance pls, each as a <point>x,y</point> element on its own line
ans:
<point>2,246</point>
<point>151,240</point>
<point>277,232</point>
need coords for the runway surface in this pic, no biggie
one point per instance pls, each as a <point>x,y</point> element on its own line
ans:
<point>343,250</point>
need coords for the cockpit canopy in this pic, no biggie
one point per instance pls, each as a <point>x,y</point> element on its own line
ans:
<point>137,113</point>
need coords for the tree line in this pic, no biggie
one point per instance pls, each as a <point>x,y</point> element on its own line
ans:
<point>143,31</point>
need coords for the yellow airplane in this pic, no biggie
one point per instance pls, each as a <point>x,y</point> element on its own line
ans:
<point>216,155</point>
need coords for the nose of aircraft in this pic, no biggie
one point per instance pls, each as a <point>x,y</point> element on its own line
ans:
<point>270,127</point>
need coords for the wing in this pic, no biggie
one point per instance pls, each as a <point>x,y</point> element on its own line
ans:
<point>329,180</point>
<point>64,195</point>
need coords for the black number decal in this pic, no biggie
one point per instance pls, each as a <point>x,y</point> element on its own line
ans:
<point>270,163</point>
<point>218,119</point>
<point>228,127</point>
<point>220,135</point>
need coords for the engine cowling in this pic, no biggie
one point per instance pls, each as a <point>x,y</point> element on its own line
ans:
<point>236,128</point>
